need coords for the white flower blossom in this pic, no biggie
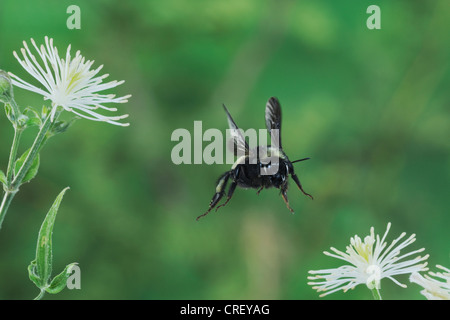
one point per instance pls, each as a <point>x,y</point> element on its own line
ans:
<point>434,289</point>
<point>69,82</point>
<point>368,263</point>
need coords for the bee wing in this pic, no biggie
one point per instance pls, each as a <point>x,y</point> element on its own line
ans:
<point>273,120</point>
<point>240,146</point>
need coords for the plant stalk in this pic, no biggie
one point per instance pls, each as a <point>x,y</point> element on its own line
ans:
<point>13,156</point>
<point>13,186</point>
<point>7,198</point>
<point>376,294</point>
<point>40,295</point>
<point>35,148</point>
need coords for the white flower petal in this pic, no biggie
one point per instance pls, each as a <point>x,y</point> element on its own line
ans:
<point>370,261</point>
<point>434,289</point>
<point>69,82</point>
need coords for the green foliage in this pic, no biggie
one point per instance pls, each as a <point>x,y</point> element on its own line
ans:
<point>6,90</point>
<point>33,120</point>
<point>60,127</point>
<point>10,113</point>
<point>40,269</point>
<point>32,171</point>
<point>2,177</point>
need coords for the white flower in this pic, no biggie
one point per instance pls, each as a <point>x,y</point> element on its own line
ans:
<point>69,82</point>
<point>433,288</point>
<point>369,262</point>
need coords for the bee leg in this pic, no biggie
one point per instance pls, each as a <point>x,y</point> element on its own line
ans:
<point>294,176</point>
<point>260,189</point>
<point>219,192</point>
<point>216,198</point>
<point>230,194</point>
<point>285,198</point>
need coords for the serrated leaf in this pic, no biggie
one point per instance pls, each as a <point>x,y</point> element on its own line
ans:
<point>32,172</point>
<point>60,281</point>
<point>2,177</point>
<point>33,276</point>
<point>44,250</point>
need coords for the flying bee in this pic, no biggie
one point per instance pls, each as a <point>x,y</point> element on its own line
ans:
<point>258,168</point>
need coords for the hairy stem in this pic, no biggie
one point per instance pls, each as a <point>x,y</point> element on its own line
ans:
<point>35,148</point>
<point>13,186</point>
<point>12,156</point>
<point>7,198</point>
<point>376,294</point>
<point>40,295</point>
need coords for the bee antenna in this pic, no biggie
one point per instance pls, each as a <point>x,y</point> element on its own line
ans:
<point>300,160</point>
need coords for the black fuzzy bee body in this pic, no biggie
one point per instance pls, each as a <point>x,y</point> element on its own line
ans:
<point>255,167</point>
<point>248,175</point>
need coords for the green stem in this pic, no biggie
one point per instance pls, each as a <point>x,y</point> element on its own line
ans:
<point>41,295</point>
<point>9,193</point>
<point>7,198</point>
<point>13,186</point>
<point>376,294</point>
<point>12,156</point>
<point>35,148</point>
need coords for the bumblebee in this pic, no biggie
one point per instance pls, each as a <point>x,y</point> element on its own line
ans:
<point>259,168</point>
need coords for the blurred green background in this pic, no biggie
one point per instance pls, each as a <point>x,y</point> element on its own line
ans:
<point>370,107</point>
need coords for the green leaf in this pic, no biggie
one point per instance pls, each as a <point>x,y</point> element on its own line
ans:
<point>33,276</point>
<point>32,172</point>
<point>2,177</point>
<point>34,122</point>
<point>44,251</point>
<point>22,121</point>
<point>45,112</point>
<point>60,127</point>
<point>10,113</point>
<point>60,281</point>
<point>6,89</point>
<point>34,119</point>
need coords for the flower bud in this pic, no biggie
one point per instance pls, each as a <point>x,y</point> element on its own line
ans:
<point>6,90</point>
